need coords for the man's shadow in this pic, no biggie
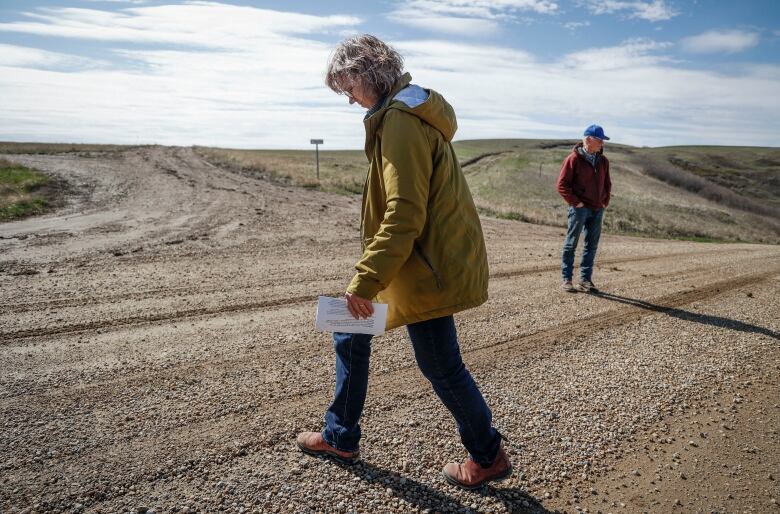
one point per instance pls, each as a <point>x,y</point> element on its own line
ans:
<point>705,319</point>
<point>416,493</point>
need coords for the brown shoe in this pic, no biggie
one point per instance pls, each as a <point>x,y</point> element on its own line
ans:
<point>568,287</point>
<point>471,475</point>
<point>586,286</point>
<point>314,444</point>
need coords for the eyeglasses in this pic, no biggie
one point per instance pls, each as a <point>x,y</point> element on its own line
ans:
<point>348,90</point>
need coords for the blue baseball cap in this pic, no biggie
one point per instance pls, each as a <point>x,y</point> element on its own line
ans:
<point>595,131</point>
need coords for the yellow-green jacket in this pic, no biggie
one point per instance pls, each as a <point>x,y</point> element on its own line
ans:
<point>423,250</point>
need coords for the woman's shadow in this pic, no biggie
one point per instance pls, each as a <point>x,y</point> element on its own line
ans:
<point>420,495</point>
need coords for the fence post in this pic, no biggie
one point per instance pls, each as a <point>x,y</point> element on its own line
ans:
<point>317,143</point>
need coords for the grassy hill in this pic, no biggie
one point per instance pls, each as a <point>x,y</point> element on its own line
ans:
<point>700,193</point>
<point>744,177</point>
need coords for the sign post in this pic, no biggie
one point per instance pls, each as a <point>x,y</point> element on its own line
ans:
<point>317,143</point>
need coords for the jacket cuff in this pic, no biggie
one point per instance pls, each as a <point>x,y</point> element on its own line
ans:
<point>363,288</point>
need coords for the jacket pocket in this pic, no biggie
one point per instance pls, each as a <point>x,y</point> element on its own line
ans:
<point>428,265</point>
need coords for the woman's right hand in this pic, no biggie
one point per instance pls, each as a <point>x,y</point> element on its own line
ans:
<point>359,307</point>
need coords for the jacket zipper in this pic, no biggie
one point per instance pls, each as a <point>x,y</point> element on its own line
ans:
<point>594,166</point>
<point>428,264</point>
<point>363,210</point>
<point>363,217</point>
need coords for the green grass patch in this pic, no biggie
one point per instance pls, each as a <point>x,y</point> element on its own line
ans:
<point>20,191</point>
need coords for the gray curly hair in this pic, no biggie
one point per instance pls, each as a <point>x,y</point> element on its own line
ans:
<point>366,58</point>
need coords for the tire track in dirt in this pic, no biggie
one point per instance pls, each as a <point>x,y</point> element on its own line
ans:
<point>153,256</point>
<point>587,325</point>
<point>152,294</point>
<point>239,426</point>
<point>6,337</point>
<point>635,310</point>
<point>614,260</point>
<point>274,352</point>
<point>271,352</point>
<point>76,328</point>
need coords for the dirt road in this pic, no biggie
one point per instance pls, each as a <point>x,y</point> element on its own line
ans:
<point>158,352</point>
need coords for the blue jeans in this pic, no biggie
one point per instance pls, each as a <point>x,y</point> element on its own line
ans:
<point>579,219</point>
<point>436,349</point>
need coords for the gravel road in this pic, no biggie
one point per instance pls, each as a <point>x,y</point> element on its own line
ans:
<point>158,354</point>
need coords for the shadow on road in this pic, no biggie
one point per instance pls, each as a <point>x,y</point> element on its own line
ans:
<point>705,319</point>
<point>515,500</point>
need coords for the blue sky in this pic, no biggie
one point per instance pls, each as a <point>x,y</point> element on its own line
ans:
<point>249,73</point>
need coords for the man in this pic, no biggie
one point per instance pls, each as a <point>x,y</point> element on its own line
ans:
<point>585,185</point>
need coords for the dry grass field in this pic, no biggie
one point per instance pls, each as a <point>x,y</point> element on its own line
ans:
<point>696,193</point>
<point>158,350</point>
<point>57,148</point>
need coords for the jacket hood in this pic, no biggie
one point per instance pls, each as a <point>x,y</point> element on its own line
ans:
<point>433,110</point>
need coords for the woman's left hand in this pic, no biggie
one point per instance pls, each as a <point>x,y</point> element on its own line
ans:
<point>359,307</point>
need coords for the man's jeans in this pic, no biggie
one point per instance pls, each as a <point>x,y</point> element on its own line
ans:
<point>579,219</point>
<point>436,349</point>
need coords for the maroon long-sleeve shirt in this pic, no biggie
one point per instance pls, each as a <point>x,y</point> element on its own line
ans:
<point>579,181</point>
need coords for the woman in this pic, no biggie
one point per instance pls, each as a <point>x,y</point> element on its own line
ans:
<point>423,254</point>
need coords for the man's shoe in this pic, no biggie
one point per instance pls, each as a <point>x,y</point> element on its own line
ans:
<point>471,475</point>
<point>314,444</point>
<point>587,286</point>
<point>568,286</point>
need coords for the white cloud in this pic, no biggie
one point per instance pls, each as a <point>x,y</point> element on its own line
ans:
<point>632,53</point>
<point>239,80</point>
<point>646,100</point>
<point>203,24</point>
<point>480,8</point>
<point>465,17</point>
<point>231,75</point>
<point>574,25</point>
<point>447,24</point>
<point>649,10</point>
<point>723,41</point>
<point>26,57</point>
<point>455,58</point>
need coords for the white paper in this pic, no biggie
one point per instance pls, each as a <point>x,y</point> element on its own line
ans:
<point>333,316</point>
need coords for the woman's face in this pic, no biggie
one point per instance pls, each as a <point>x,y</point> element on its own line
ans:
<point>356,91</point>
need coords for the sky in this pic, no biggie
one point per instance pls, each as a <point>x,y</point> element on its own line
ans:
<point>250,74</point>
